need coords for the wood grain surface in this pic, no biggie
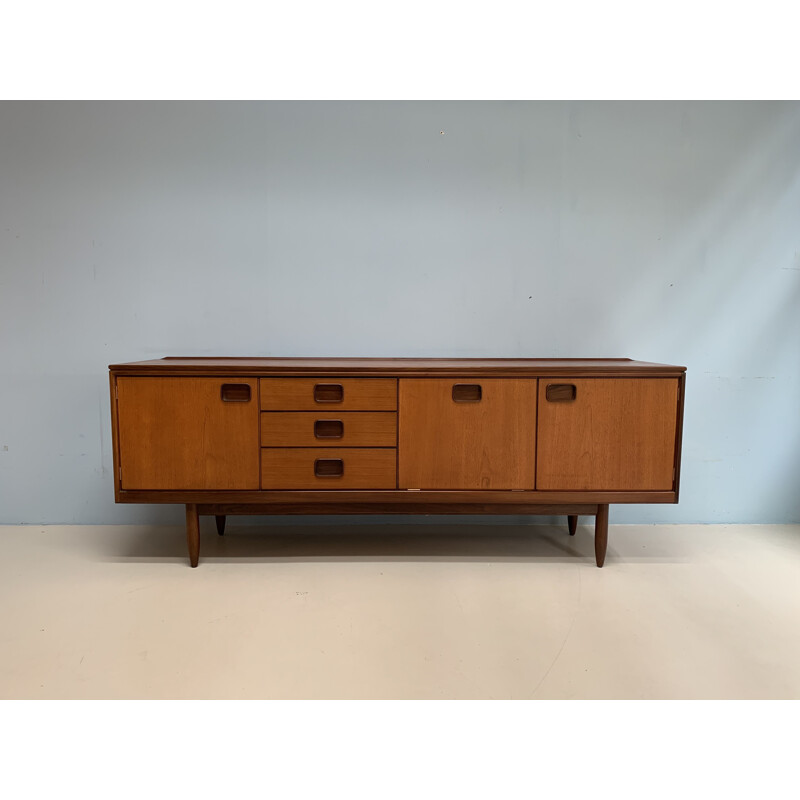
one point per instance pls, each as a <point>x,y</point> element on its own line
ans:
<point>366,507</point>
<point>409,367</point>
<point>489,444</point>
<point>359,394</point>
<point>178,433</point>
<point>293,468</point>
<point>616,435</point>
<point>378,498</point>
<point>359,429</point>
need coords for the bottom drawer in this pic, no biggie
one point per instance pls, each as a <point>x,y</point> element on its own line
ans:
<point>328,468</point>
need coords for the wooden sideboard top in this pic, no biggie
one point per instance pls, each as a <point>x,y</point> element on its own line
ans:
<point>407,367</point>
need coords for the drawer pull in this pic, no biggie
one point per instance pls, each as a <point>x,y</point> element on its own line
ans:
<point>329,429</point>
<point>235,393</point>
<point>560,392</point>
<point>467,393</point>
<point>329,393</point>
<point>328,467</point>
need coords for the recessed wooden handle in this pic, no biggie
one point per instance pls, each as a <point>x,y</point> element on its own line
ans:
<point>235,392</point>
<point>329,429</point>
<point>328,392</point>
<point>467,393</point>
<point>329,467</point>
<point>560,392</point>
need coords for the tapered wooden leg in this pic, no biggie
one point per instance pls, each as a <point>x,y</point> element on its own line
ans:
<point>220,523</point>
<point>601,534</point>
<point>193,533</point>
<point>572,521</point>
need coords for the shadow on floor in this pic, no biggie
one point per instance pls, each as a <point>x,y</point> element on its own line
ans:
<point>354,543</point>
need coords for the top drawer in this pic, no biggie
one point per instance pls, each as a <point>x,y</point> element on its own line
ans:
<point>345,394</point>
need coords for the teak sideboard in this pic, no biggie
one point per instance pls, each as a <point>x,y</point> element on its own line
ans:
<point>415,436</point>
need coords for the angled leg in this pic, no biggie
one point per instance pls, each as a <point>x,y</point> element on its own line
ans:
<point>193,533</point>
<point>572,521</point>
<point>220,523</point>
<point>601,534</point>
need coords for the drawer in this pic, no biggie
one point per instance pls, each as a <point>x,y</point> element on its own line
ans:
<point>328,429</point>
<point>328,468</point>
<point>334,394</point>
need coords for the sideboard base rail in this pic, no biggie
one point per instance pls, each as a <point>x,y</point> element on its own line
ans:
<point>220,511</point>
<point>384,498</point>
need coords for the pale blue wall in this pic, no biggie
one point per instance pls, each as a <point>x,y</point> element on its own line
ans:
<point>661,231</point>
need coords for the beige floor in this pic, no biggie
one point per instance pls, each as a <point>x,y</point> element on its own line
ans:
<point>400,611</point>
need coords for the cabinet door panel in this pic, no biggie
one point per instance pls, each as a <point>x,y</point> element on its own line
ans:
<point>607,434</point>
<point>467,433</point>
<point>188,433</point>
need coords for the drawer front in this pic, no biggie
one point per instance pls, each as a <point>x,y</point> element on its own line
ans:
<point>328,394</point>
<point>328,429</point>
<point>328,468</point>
<point>467,433</point>
<point>607,434</point>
